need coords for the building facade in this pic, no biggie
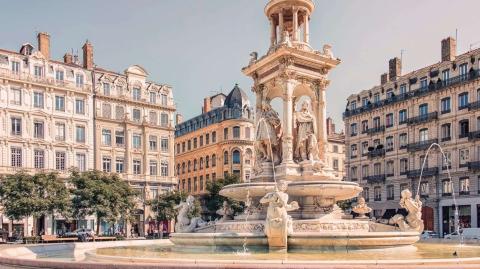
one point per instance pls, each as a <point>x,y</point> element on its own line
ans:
<point>57,115</point>
<point>390,127</point>
<point>134,123</point>
<point>215,143</point>
<point>46,116</point>
<point>335,150</point>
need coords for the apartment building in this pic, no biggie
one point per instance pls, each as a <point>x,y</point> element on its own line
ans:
<point>390,127</point>
<point>335,150</point>
<point>46,114</point>
<point>215,143</point>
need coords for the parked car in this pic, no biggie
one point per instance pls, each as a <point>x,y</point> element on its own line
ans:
<point>467,233</point>
<point>83,232</point>
<point>428,234</point>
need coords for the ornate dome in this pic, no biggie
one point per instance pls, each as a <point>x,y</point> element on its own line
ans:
<point>236,98</point>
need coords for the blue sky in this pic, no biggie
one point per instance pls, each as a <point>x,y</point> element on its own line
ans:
<point>200,46</point>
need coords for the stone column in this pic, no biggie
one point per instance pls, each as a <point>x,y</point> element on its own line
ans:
<point>273,32</point>
<point>280,24</point>
<point>321,122</point>
<point>288,121</point>
<point>295,24</point>
<point>306,33</point>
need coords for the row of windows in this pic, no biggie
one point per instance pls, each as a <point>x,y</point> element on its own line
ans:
<point>39,72</point>
<point>446,134</point>
<point>425,190</point>
<point>136,115</point>
<point>39,130</point>
<point>17,159</point>
<point>198,183</point>
<point>136,140</point>
<point>107,163</point>
<point>463,160</point>
<point>39,101</point>
<point>445,79</point>
<point>136,94</point>
<point>195,143</point>
<point>187,167</point>
<point>403,114</point>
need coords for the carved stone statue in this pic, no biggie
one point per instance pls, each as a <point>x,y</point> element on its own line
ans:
<point>225,211</point>
<point>254,57</point>
<point>327,51</point>
<point>413,221</point>
<point>307,145</point>
<point>361,208</point>
<point>286,39</point>
<point>184,223</point>
<point>268,138</point>
<point>278,223</point>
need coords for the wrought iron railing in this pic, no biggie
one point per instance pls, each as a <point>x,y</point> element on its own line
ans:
<point>422,145</point>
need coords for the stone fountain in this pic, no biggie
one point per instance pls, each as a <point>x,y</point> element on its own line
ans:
<point>290,159</point>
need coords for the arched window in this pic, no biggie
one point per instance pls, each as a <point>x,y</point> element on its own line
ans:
<point>178,169</point>
<point>225,157</point>
<point>201,163</point>
<point>195,165</point>
<point>236,157</point>
<point>207,160</point>
<point>214,160</point>
<point>423,134</point>
<point>183,168</point>
<point>189,166</point>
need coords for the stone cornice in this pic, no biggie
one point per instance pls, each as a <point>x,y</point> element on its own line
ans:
<point>124,100</point>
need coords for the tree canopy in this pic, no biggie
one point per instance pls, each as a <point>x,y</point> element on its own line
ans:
<point>214,200</point>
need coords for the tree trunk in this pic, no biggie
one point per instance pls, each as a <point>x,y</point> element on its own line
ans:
<point>98,227</point>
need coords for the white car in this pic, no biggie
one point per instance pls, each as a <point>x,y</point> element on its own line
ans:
<point>428,234</point>
<point>80,232</point>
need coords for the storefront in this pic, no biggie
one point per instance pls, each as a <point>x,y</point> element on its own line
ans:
<point>467,214</point>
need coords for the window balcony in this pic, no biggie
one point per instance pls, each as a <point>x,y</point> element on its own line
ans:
<point>390,174</point>
<point>376,153</point>
<point>474,165</point>
<point>447,138</point>
<point>464,192</point>
<point>375,130</point>
<point>474,105</point>
<point>422,145</point>
<point>423,118</point>
<point>421,91</point>
<point>445,111</point>
<point>474,135</point>
<point>375,179</point>
<point>433,171</point>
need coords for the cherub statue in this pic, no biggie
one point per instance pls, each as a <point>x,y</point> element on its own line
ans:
<point>225,211</point>
<point>278,223</point>
<point>413,221</point>
<point>186,224</point>
<point>361,208</point>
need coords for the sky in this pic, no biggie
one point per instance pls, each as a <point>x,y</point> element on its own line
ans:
<point>199,46</point>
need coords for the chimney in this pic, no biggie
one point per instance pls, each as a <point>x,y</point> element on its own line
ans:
<point>178,118</point>
<point>394,68</point>
<point>87,55</point>
<point>384,78</point>
<point>449,49</point>
<point>68,58</point>
<point>206,105</point>
<point>44,44</point>
<point>330,126</point>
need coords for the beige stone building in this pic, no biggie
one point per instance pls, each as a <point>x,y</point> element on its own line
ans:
<point>134,123</point>
<point>335,150</point>
<point>391,126</point>
<point>215,143</point>
<point>46,114</point>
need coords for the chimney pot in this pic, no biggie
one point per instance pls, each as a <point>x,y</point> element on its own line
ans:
<point>449,49</point>
<point>206,105</point>
<point>43,39</point>
<point>384,78</point>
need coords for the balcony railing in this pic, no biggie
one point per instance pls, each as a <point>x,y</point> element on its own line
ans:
<point>376,153</point>
<point>474,105</point>
<point>416,93</point>
<point>375,130</point>
<point>43,80</point>
<point>426,172</point>
<point>375,179</point>
<point>474,165</point>
<point>423,118</point>
<point>474,135</point>
<point>422,145</point>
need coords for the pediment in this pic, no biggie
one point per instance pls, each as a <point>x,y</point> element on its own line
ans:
<point>136,70</point>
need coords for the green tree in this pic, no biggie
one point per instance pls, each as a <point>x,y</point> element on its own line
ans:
<point>214,200</point>
<point>104,195</point>
<point>17,196</point>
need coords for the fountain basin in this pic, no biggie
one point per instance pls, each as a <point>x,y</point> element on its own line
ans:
<point>338,190</point>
